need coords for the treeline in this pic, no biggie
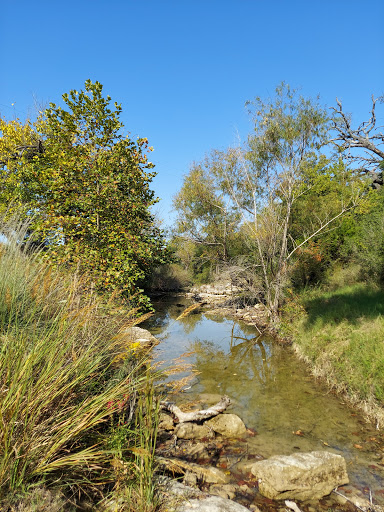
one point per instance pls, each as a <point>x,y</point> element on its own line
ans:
<point>302,193</point>
<point>85,188</point>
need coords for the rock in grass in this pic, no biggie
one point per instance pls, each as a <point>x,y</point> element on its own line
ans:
<point>228,425</point>
<point>138,336</point>
<point>301,476</point>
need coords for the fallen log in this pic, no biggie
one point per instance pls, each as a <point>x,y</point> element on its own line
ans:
<point>200,415</point>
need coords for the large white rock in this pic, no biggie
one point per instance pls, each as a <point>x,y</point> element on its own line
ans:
<point>211,504</point>
<point>183,498</point>
<point>301,476</point>
<point>228,425</point>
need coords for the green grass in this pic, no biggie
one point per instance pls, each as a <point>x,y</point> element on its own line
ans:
<point>341,334</point>
<point>68,383</point>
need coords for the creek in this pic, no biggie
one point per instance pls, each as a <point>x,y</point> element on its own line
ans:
<point>270,389</point>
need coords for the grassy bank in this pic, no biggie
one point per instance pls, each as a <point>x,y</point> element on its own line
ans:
<point>340,332</point>
<point>78,414</point>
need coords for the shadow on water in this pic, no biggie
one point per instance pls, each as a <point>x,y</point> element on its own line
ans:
<point>348,305</point>
<point>271,390</point>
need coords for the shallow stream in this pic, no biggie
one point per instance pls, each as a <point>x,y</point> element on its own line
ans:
<point>271,390</point>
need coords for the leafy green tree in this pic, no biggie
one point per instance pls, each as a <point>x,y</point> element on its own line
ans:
<point>89,192</point>
<point>266,181</point>
<point>206,214</point>
<point>365,243</point>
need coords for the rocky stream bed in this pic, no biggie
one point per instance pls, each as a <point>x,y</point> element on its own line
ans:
<point>328,457</point>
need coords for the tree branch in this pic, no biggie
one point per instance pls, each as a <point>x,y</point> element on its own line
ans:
<point>203,414</point>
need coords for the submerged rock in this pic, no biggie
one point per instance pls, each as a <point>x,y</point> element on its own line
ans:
<point>226,491</point>
<point>304,476</point>
<point>195,451</point>
<point>228,425</point>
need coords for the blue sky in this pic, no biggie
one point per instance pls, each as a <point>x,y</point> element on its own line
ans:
<point>184,69</point>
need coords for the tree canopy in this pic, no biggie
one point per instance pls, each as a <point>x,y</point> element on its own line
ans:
<point>86,187</point>
<point>282,190</point>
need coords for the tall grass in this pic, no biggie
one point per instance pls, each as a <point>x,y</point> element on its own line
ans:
<point>62,365</point>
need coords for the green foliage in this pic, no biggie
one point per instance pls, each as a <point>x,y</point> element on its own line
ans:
<point>206,215</point>
<point>365,245</point>
<point>88,190</point>
<point>169,278</point>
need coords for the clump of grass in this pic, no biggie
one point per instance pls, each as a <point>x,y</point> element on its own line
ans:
<point>340,333</point>
<point>62,365</point>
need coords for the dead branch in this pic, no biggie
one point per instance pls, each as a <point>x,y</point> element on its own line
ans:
<point>202,414</point>
<point>366,136</point>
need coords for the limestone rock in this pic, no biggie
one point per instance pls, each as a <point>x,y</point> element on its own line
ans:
<point>139,336</point>
<point>226,491</point>
<point>196,451</point>
<point>185,499</point>
<point>190,478</point>
<point>166,422</point>
<point>300,476</point>
<point>228,425</point>
<point>193,431</point>
<point>211,504</point>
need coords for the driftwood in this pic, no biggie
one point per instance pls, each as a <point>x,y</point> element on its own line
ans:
<point>292,505</point>
<point>202,414</point>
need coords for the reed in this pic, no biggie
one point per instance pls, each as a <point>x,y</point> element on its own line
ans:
<point>58,379</point>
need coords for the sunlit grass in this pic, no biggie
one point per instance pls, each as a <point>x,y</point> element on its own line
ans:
<point>341,333</point>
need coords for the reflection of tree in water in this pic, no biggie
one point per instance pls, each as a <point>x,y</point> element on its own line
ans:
<point>166,314</point>
<point>247,358</point>
<point>190,321</point>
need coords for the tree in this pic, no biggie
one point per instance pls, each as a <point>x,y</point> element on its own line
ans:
<point>365,137</point>
<point>88,190</point>
<point>268,176</point>
<point>206,215</point>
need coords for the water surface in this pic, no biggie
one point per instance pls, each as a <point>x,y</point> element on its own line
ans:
<point>271,391</point>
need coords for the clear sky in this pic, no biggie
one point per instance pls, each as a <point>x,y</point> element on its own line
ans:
<point>183,69</point>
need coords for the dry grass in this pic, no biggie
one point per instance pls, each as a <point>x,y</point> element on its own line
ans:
<point>61,396</point>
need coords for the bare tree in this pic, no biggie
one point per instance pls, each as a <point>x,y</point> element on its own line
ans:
<point>362,145</point>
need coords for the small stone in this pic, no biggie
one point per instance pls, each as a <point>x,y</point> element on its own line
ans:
<point>166,422</point>
<point>228,425</point>
<point>138,336</point>
<point>195,451</point>
<point>224,491</point>
<point>190,478</point>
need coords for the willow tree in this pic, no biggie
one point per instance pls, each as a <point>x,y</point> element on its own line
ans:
<point>87,188</point>
<point>267,176</point>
